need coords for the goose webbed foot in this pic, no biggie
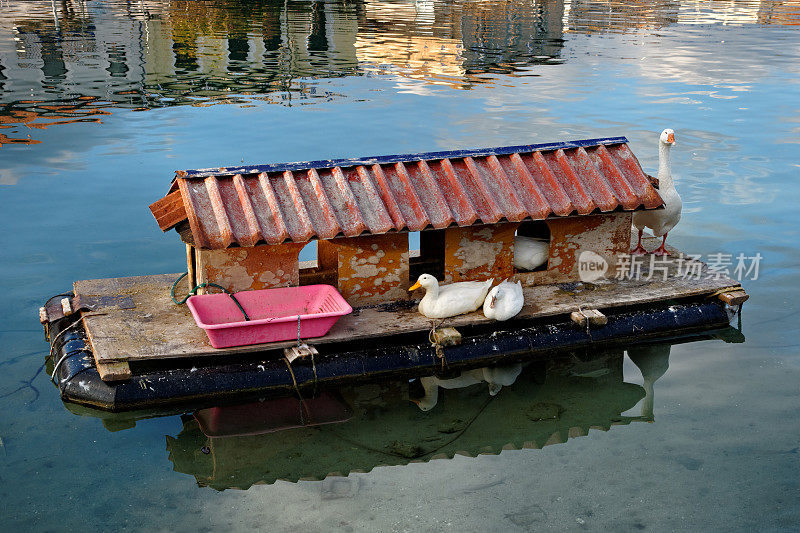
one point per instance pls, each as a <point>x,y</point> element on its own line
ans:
<point>661,250</point>
<point>639,250</point>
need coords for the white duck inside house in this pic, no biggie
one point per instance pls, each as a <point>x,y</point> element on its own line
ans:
<point>504,301</point>
<point>530,253</point>
<point>660,221</point>
<point>450,300</point>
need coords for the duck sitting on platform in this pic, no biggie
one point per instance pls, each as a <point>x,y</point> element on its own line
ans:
<point>504,301</point>
<point>450,300</point>
<point>530,253</point>
<point>660,221</point>
<point>497,377</point>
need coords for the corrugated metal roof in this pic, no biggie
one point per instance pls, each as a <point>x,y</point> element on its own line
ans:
<point>324,199</point>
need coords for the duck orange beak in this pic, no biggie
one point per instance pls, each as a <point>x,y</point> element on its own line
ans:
<point>414,286</point>
<point>671,138</point>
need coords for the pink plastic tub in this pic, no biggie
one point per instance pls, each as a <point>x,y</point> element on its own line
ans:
<point>273,314</point>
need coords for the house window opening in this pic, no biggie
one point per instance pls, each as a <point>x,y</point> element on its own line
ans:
<point>311,272</point>
<point>426,254</point>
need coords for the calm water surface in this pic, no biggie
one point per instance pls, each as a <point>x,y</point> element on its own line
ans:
<point>101,101</point>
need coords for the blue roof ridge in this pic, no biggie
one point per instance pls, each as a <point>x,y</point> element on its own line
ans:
<point>386,159</point>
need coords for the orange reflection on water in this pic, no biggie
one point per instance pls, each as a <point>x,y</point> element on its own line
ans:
<point>39,114</point>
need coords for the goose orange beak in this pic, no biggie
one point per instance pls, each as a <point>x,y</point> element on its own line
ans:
<point>671,138</point>
<point>414,286</point>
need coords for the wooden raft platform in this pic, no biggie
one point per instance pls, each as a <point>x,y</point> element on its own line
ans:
<point>134,319</point>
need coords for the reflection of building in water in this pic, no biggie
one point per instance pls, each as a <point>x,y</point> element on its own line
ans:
<point>740,12</point>
<point>447,43</point>
<point>786,13</point>
<point>604,16</point>
<point>499,36</point>
<point>158,53</point>
<point>47,51</point>
<point>376,425</point>
<point>152,53</point>
<point>261,50</point>
<point>105,50</point>
<point>601,16</point>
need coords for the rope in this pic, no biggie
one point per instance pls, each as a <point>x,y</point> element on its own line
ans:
<point>202,286</point>
<point>313,363</point>
<point>588,331</point>
<point>63,358</point>
<point>53,345</point>
<point>303,405</point>
<point>314,368</point>
<point>438,349</point>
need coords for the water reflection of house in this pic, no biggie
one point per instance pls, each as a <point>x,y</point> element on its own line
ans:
<point>551,402</point>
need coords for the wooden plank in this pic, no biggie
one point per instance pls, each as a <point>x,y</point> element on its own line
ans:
<point>158,329</point>
<point>734,297</point>
<point>591,316</point>
<point>169,210</point>
<point>114,371</point>
<point>446,337</point>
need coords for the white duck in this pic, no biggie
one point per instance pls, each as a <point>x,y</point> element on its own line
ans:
<point>497,377</point>
<point>450,300</point>
<point>661,221</point>
<point>530,253</point>
<point>504,301</point>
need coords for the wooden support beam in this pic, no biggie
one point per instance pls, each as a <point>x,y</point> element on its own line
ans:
<point>66,306</point>
<point>734,297</point>
<point>593,316</point>
<point>299,352</point>
<point>446,336</point>
<point>113,371</point>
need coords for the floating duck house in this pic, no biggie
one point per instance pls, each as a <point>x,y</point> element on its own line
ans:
<point>245,227</point>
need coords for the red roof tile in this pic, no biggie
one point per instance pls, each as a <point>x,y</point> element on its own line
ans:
<point>324,199</point>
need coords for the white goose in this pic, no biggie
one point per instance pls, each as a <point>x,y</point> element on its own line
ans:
<point>504,301</point>
<point>497,377</point>
<point>450,300</point>
<point>661,221</point>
